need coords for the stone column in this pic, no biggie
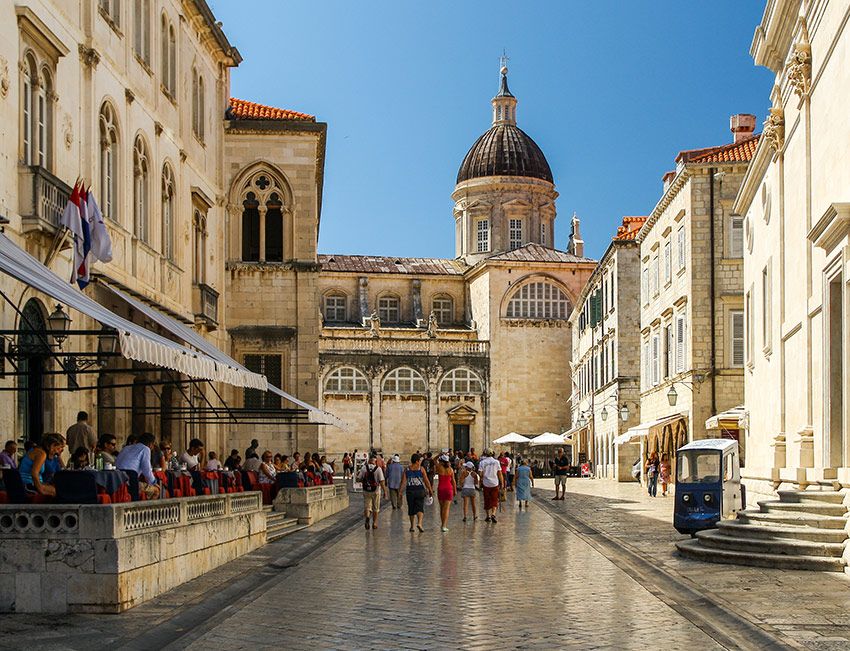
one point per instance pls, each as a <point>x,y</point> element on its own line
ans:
<point>375,412</point>
<point>262,210</point>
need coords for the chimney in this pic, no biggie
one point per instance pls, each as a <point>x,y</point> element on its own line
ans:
<point>742,126</point>
<point>667,179</point>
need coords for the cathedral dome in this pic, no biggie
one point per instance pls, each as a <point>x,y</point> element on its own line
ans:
<point>504,150</point>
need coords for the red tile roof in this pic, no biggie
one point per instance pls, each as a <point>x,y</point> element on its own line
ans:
<point>630,228</point>
<point>389,265</point>
<point>736,152</point>
<point>241,109</point>
<point>533,252</point>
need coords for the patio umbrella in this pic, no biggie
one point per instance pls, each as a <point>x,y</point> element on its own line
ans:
<point>513,437</point>
<point>548,438</point>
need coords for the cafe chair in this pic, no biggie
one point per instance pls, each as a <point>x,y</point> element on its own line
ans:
<point>17,492</point>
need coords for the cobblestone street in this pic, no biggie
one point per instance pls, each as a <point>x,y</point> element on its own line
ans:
<point>594,571</point>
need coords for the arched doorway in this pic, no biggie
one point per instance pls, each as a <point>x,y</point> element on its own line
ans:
<point>33,352</point>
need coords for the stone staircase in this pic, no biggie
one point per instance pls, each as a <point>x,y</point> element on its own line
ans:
<point>278,525</point>
<point>802,530</point>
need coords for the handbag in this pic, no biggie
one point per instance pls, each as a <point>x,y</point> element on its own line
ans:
<point>429,500</point>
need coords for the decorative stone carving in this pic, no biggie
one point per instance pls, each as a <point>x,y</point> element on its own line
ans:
<point>800,69</point>
<point>68,130</point>
<point>774,128</point>
<point>374,325</point>
<point>129,95</point>
<point>4,77</point>
<point>432,326</point>
<point>89,56</point>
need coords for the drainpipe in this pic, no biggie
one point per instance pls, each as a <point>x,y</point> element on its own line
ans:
<point>712,299</point>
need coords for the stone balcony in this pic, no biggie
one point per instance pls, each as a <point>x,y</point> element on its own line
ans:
<point>403,345</point>
<point>205,305</point>
<point>43,198</point>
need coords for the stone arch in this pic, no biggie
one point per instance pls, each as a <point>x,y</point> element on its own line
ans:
<point>461,380</point>
<point>360,383</point>
<point>33,358</point>
<point>261,204</point>
<point>406,380</point>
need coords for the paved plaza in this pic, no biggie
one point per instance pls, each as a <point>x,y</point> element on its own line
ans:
<point>594,571</point>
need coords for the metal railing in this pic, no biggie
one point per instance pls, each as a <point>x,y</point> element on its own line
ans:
<point>402,346</point>
<point>43,199</point>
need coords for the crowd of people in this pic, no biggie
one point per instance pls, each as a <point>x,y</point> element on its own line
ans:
<point>144,455</point>
<point>448,474</point>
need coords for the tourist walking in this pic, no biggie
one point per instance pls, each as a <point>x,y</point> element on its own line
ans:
<point>446,489</point>
<point>492,481</point>
<point>372,480</point>
<point>469,482</point>
<point>417,486</point>
<point>395,473</point>
<point>562,467</point>
<point>346,466</point>
<point>652,468</point>
<point>523,481</point>
<point>664,474</point>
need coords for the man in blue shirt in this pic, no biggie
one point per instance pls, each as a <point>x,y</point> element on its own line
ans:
<point>395,471</point>
<point>138,457</point>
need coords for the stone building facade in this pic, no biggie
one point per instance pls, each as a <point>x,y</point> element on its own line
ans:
<point>606,363</point>
<point>797,247</point>
<point>691,316</point>
<point>133,98</point>
<point>432,353</point>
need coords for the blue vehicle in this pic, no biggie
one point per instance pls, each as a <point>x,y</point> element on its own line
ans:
<point>708,484</point>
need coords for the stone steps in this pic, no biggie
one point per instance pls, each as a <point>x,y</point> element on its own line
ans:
<point>278,525</point>
<point>808,507</point>
<point>792,519</point>
<point>694,549</point>
<point>738,528</point>
<point>802,530</point>
<point>724,539</point>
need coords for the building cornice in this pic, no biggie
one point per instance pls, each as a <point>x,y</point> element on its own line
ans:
<point>772,37</point>
<point>753,177</point>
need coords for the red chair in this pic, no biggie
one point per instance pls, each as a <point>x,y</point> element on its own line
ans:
<point>162,478</point>
<point>4,497</point>
<point>17,493</point>
<point>251,479</point>
<point>269,492</point>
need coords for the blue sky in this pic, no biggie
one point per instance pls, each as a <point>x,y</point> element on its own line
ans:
<point>611,91</point>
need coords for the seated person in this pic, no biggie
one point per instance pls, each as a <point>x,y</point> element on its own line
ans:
<point>191,456</point>
<point>213,463</point>
<point>32,465</point>
<point>106,446</point>
<point>252,464</point>
<point>161,455</point>
<point>327,467</point>
<point>80,459</point>
<point>267,470</point>
<point>234,461</point>
<point>132,439</point>
<point>9,455</point>
<point>52,465</point>
<point>137,457</point>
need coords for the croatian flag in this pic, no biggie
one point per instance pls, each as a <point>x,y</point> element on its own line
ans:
<point>72,219</point>
<point>83,266</point>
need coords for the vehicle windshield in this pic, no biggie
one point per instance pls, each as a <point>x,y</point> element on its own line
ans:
<point>698,467</point>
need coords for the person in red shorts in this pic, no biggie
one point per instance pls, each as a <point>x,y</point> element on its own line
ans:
<point>492,481</point>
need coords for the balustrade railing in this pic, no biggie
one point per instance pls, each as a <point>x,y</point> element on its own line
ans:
<point>43,198</point>
<point>401,346</point>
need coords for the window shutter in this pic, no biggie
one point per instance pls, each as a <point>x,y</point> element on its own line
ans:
<point>737,339</point>
<point>655,360</point>
<point>680,345</point>
<point>736,238</point>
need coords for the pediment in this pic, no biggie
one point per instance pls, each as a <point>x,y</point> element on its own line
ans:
<point>462,411</point>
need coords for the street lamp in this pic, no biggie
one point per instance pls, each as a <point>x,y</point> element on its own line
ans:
<point>624,412</point>
<point>604,414</point>
<point>59,322</point>
<point>107,344</point>
<point>672,396</point>
<point>582,421</point>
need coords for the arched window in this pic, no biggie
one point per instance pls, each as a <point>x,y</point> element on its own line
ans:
<point>141,184</point>
<point>199,265</point>
<point>197,104</point>
<point>112,10</point>
<point>43,108</point>
<point>108,160</point>
<point>461,381</point>
<point>443,309</point>
<point>28,114</point>
<point>389,310</point>
<point>168,212</point>
<point>336,305</point>
<point>142,30</point>
<point>539,300</point>
<point>168,63</point>
<point>347,379</point>
<point>263,210</point>
<point>404,380</point>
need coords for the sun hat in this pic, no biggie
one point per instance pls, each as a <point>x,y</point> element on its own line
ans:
<point>469,464</point>
<point>396,458</point>
<point>444,457</point>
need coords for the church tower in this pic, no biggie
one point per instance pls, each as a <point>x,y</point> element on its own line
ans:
<point>505,196</point>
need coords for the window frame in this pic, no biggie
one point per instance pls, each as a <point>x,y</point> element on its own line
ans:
<point>682,243</point>
<point>449,309</point>
<point>169,192</point>
<point>109,160</point>
<point>412,380</point>
<point>461,381</point>
<point>482,230</point>
<point>737,342</point>
<point>328,309</point>
<point>141,190</point>
<point>385,311</point>
<point>767,308</point>
<point>539,300</point>
<point>340,375</point>
<point>515,239</point>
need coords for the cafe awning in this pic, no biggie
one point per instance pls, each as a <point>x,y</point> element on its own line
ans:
<point>642,430</point>
<point>137,343</point>
<point>735,418</point>
<point>194,339</point>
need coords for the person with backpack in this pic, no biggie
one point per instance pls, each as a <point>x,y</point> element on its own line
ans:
<point>417,485</point>
<point>372,480</point>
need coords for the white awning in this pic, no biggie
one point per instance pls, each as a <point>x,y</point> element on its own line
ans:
<point>194,338</point>
<point>137,343</point>
<point>642,430</point>
<point>735,418</point>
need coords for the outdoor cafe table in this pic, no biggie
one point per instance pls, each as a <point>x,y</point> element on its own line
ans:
<point>114,483</point>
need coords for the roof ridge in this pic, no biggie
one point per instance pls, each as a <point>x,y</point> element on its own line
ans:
<point>243,109</point>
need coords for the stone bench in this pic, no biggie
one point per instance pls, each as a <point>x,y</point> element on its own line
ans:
<point>313,503</point>
<point>60,558</point>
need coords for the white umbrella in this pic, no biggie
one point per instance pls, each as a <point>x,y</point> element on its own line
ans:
<point>548,438</point>
<point>513,437</point>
